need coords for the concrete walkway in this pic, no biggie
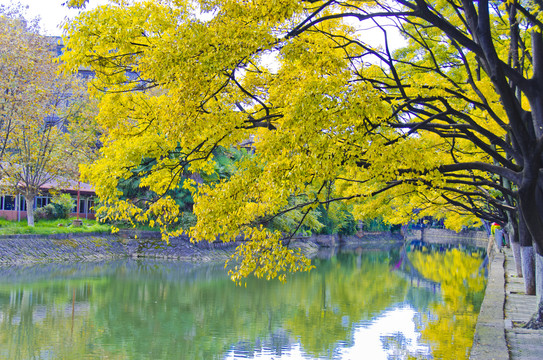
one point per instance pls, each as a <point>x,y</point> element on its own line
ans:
<point>523,343</point>
<point>499,333</point>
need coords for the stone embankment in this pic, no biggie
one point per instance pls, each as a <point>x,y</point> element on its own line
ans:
<point>26,249</point>
<point>473,238</point>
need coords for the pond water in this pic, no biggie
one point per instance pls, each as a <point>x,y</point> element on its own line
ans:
<point>354,305</point>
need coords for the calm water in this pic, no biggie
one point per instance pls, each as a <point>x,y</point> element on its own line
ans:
<point>358,305</point>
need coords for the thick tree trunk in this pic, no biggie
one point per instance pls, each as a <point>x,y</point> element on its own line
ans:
<point>531,203</point>
<point>534,322</point>
<point>29,209</point>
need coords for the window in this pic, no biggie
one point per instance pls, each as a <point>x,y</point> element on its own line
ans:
<point>91,206</point>
<point>9,202</point>
<point>22,203</point>
<point>74,199</point>
<point>41,201</point>
<point>82,203</point>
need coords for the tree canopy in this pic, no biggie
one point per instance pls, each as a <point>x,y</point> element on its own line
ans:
<point>46,125</point>
<point>448,125</point>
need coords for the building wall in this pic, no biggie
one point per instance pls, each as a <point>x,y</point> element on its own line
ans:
<point>19,210</point>
<point>11,214</point>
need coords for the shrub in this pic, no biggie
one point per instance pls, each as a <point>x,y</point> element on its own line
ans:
<point>63,204</point>
<point>60,208</point>
<point>47,212</point>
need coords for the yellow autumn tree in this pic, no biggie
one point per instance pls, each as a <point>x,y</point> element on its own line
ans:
<point>46,125</point>
<point>436,127</point>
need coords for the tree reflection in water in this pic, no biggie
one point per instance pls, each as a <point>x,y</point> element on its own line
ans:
<point>451,322</point>
<point>352,303</point>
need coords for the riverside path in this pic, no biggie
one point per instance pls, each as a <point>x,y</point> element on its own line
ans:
<point>499,333</point>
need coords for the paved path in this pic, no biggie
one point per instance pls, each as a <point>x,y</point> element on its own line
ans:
<point>499,333</point>
<point>523,344</point>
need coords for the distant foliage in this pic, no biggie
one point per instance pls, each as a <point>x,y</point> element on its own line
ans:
<point>376,224</point>
<point>187,220</point>
<point>134,189</point>
<point>337,219</point>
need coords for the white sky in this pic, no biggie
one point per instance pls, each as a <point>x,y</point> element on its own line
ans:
<point>51,12</point>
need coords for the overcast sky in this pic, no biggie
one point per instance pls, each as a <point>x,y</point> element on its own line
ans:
<point>51,12</point>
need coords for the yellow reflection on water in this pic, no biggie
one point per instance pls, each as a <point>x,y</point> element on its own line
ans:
<point>451,322</point>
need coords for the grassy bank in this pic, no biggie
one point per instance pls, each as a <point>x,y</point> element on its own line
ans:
<point>48,227</point>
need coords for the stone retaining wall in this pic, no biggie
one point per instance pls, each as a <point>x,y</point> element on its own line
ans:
<point>342,240</point>
<point>25,249</point>
<point>443,236</point>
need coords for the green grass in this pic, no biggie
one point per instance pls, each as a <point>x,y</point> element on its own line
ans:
<point>47,227</point>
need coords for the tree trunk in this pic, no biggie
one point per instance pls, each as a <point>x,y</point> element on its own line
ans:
<point>531,205</point>
<point>30,209</point>
<point>511,231</point>
<point>536,229</point>
<point>515,247</point>
<point>527,256</point>
<point>538,276</point>
<point>536,322</point>
<point>528,269</point>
